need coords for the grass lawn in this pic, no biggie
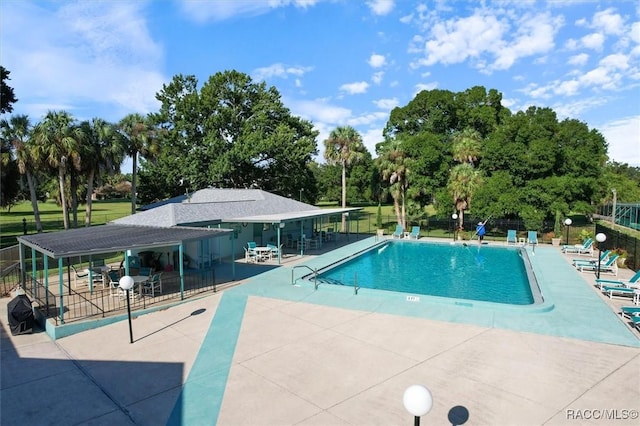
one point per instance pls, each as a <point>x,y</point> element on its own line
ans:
<point>11,223</point>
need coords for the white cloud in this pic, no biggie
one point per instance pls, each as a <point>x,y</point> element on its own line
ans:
<point>601,77</point>
<point>571,44</point>
<point>486,38</point>
<point>381,7</point>
<point>203,11</point>
<point>565,109</point>
<point>615,61</point>
<point>387,104</point>
<point>609,22</point>
<point>365,119</point>
<point>279,70</point>
<point>623,137</point>
<point>355,88</point>
<point>377,77</point>
<point>535,35</point>
<point>319,110</point>
<point>370,138</point>
<point>593,41</point>
<point>579,59</point>
<point>456,40</point>
<point>424,86</point>
<point>635,32</point>
<point>377,61</point>
<point>82,53</point>
<point>568,88</point>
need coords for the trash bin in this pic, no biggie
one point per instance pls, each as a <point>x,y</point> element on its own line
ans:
<point>20,313</point>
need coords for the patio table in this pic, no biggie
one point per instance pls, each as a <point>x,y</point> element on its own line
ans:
<point>263,252</point>
<point>139,280</point>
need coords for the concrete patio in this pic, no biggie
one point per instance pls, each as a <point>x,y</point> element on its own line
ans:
<point>268,353</point>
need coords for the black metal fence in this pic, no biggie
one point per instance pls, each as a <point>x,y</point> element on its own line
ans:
<point>365,223</point>
<point>617,240</point>
<point>10,279</point>
<point>104,301</point>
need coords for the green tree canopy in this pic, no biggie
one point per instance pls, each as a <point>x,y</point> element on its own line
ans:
<point>231,133</point>
<point>7,97</point>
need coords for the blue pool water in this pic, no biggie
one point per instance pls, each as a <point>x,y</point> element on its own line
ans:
<point>491,274</point>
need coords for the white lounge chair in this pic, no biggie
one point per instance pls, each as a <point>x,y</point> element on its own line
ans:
<point>608,267</point>
<point>633,282</point>
<point>619,291</point>
<point>585,248</point>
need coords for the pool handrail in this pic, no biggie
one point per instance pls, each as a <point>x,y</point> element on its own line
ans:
<point>315,275</point>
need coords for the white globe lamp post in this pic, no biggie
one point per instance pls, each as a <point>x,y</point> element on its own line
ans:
<point>126,283</point>
<point>418,401</point>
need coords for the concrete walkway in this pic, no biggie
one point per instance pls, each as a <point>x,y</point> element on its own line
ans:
<point>269,353</point>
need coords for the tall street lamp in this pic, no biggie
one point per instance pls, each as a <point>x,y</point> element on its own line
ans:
<point>600,238</point>
<point>126,283</point>
<point>567,222</point>
<point>418,401</point>
<point>454,217</point>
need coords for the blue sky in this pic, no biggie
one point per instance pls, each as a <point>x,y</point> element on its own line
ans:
<point>334,62</point>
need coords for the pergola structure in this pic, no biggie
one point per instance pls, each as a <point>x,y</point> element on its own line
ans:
<point>104,239</point>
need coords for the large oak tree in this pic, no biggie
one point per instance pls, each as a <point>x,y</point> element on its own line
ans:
<point>232,133</point>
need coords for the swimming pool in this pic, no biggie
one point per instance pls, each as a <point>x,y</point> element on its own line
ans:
<point>483,273</point>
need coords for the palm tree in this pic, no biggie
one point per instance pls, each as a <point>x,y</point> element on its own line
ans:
<point>464,179</point>
<point>17,131</point>
<point>102,152</point>
<point>467,145</point>
<point>344,147</point>
<point>139,138</point>
<point>395,167</point>
<point>56,143</point>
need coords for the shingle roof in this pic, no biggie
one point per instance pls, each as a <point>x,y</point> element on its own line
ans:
<point>111,238</point>
<point>214,205</point>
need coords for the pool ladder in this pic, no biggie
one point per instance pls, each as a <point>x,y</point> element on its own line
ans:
<point>315,275</point>
<point>316,283</point>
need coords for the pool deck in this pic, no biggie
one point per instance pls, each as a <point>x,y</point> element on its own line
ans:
<point>271,353</point>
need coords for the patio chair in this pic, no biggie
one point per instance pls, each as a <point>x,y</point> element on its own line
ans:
<point>153,286</point>
<point>618,291</point>
<point>584,248</point>
<point>82,276</point>
<point>97,262</point>
<point>114,283</point>
<point>512,237</point>
<point>633,282</point>
<point>532,237</point>
<point>630,311</point>
<point>608,267</point>
<point>250,255</point>
<point>274,250</point>
<point>145,271</point>
<point>603,258</point>
<point>415,233</point>
<point>398,232</point>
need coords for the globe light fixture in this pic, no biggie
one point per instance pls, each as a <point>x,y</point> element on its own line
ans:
<point>568,222</point>
<point>418,401</point>
<point>126,283</point>
<point>454,217</point>
<point>600,238</point>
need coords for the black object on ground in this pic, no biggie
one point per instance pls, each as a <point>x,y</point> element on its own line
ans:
<point>20,315</point>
